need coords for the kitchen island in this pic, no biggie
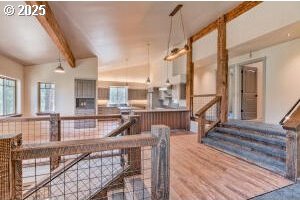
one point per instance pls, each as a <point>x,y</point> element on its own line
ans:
<point>174,118</point>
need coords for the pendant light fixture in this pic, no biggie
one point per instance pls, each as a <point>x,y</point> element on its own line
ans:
<point>59,69</point>
<point>126,83</point>
<point>176,52</point>
<point>165,85</point>
<point>148,78</point>
<point>168,83</point>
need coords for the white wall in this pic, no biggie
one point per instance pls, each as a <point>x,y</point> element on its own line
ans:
<point>64,83</point>
<point>14,70</point>
<point>205,80</point>
<point>205,47</point>
<point>282,77</point>
<point>158,72</point>
<point>137,74</point>
<point>262,19</point>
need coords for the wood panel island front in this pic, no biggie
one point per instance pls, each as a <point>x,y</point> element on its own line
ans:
<point>174,118</point>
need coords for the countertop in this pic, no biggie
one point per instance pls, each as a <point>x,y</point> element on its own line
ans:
<point>163,110</point>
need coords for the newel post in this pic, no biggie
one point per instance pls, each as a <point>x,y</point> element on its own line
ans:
<point>10,170</point>
<point>201,127</point>
<point>55,135</point>
<point>160,182</point>
<point>293,154</point>
<point>134,154</point>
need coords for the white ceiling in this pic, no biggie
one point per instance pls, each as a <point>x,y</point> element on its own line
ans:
<point>113,31</point>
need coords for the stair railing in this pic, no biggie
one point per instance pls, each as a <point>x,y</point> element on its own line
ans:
<point>57,171</point>
<point>291,123</point>
<point>198,101</point>
<point>289,113</point>
<point>72,184</point>
<point>208,117</point>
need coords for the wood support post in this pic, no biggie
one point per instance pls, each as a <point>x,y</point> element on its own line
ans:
<point>55,135</point>
<point>293,155</point>
<point>222,69</point>
<point>10,170</point>
<point>160,186</point>
<point>134,154</point>
<point>189,76</point>
<point>201,127</point>
<point>53,29</point>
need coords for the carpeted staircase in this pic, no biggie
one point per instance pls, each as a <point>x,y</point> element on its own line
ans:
<point>258,143</point>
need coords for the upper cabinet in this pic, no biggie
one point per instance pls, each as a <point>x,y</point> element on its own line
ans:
<point>85,88</point>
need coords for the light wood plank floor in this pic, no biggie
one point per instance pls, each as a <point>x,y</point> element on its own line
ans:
<point>201,172</point>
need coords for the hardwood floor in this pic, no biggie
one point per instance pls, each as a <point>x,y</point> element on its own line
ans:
<point>201,172</point>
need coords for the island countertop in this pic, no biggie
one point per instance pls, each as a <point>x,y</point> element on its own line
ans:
<point>163,110</point>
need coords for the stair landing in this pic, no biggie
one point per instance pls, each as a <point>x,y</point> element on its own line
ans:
<point>259,143</point>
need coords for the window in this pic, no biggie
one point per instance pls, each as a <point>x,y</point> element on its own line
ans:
<point>7,96</point>
<point>118,95</point>
<point>46,97</point>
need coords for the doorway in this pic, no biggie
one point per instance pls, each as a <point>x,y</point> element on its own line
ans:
<point>248,93</point>
<point>247,90</point>
<point>251,89</point>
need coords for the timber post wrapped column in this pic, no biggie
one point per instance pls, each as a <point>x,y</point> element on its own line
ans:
<point>189,76</point>
<point>222,69</point>
<point>160,155</point>
<point>10,170</point>
<point>292,152</point>
<point>55,135</point>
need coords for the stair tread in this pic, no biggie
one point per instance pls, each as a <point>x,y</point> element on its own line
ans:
<point>274,140</point>
<point>241,152</point>
<point>137,188</point>
<point>271,151</point>
<point>257,126</point>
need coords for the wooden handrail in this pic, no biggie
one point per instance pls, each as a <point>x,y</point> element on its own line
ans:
<point>202,129</point>
<point>60,170</point>
<point>112,116</point>
<point>203,95</point>
<point>292,121</point>
<point>34,151</point>
<point>120,129</point>
<point>289,112</point>
<point>208,105</point>
<point>47,118</point>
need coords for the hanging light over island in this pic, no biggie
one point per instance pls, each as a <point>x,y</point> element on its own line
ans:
<point>176,52</point>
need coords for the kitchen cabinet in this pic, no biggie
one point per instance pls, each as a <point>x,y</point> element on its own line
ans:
<point>85,102</point>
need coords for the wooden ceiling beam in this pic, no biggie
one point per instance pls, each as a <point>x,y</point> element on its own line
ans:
<point>232,14</point>
<point>51,26</point>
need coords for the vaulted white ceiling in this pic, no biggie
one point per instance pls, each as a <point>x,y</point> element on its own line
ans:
<point>113,31</point>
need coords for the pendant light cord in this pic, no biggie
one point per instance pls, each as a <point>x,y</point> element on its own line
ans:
<point>170,32</point>
<point>148,59</point>
<point>182,25</point>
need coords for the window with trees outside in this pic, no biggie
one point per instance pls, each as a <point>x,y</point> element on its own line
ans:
<point>7,96</point>
<point>46,97</point>
<point>118,95</point>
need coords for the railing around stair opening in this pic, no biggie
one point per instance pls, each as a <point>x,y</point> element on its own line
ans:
<point>208,117</point>
<point>128,163</point>
<point>199,101</point>
<point>37,130</point>
<point>291,123</point>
